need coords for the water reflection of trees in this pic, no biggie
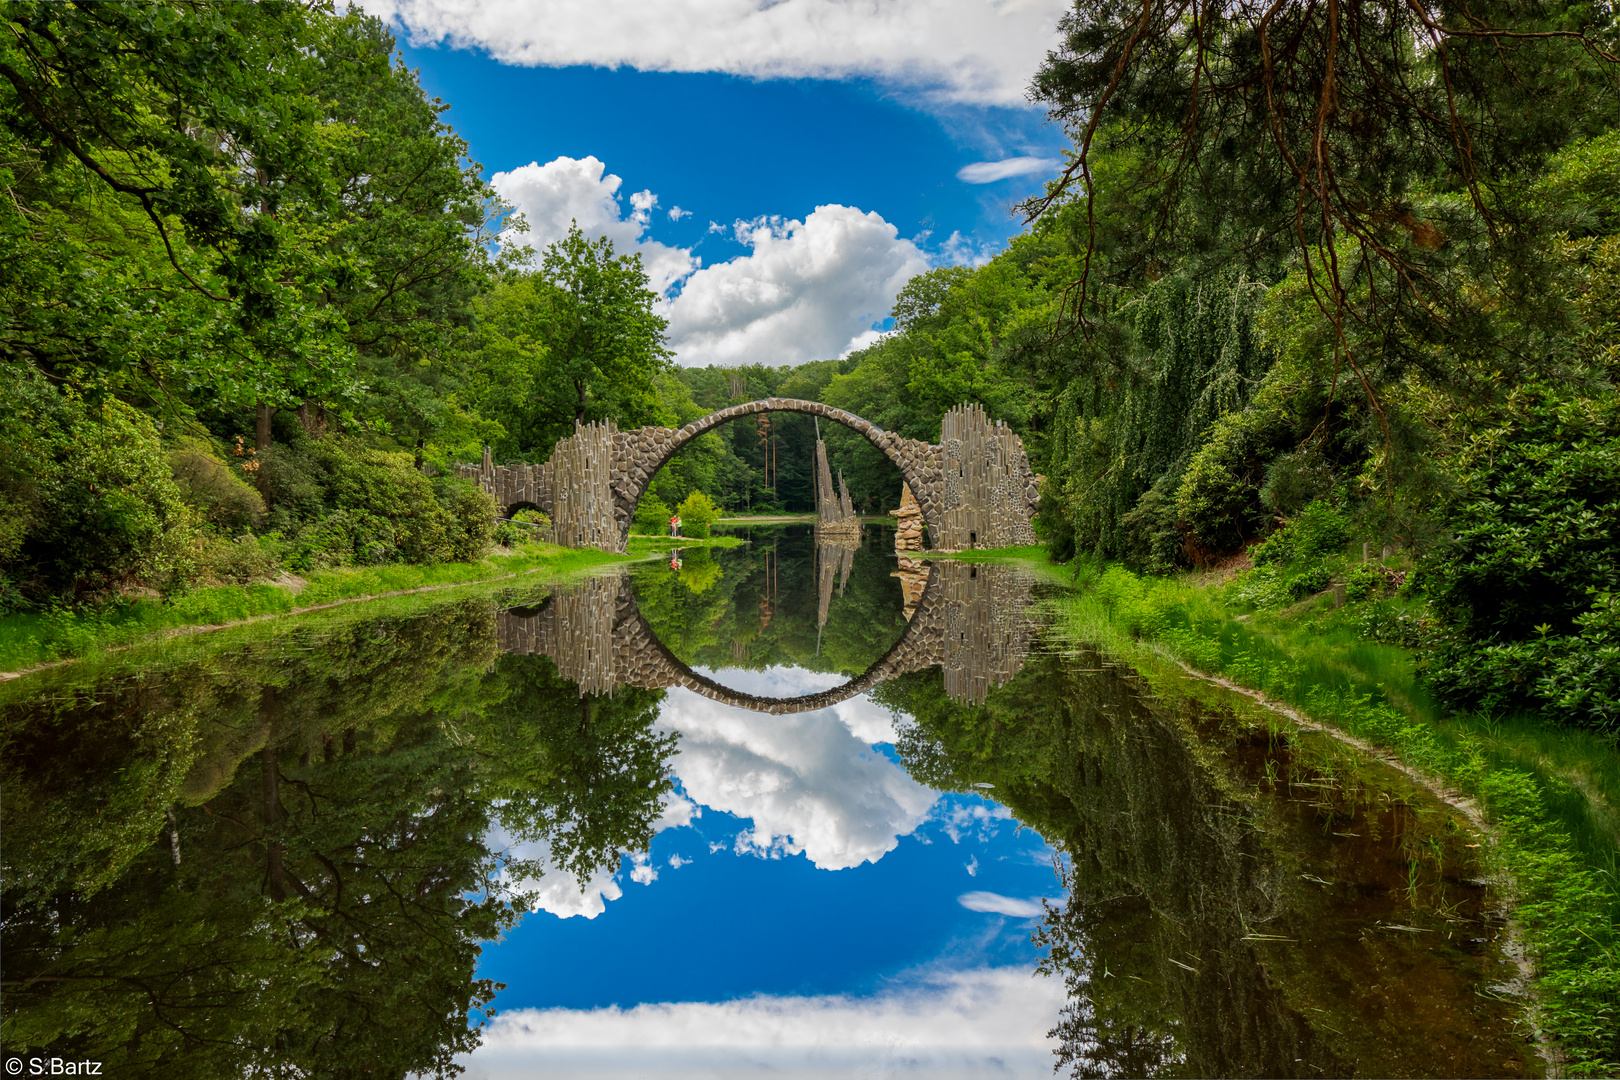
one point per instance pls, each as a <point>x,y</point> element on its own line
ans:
<point>1215,925</point>
<point>330,882</point>
<point>762,609</point>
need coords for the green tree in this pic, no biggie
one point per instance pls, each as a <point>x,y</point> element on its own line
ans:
<point>576,340</point>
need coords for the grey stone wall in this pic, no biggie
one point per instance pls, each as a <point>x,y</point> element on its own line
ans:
<point>595,478</point>
<point>973,621</point>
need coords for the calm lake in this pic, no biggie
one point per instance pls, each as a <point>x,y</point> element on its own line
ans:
<point>774,810</point>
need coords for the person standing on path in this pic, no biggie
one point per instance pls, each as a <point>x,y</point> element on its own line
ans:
<point>675,525</point>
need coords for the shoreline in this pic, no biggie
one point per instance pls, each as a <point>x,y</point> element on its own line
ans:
<point>1550,891</point>
<point>277,599</point>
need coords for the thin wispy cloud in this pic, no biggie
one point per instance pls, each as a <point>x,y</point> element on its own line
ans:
<point>988,172</point>
<point>996,904</point>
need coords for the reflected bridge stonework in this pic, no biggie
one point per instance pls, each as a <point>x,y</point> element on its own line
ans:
<point>973,621</point>
<point>974,487</point>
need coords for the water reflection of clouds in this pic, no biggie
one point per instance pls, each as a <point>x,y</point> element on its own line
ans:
<point>562,893</point>
<point>988,1021</point>
<point>808,783</point>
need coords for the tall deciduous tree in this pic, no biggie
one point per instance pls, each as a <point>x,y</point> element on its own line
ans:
<point>575,340</point>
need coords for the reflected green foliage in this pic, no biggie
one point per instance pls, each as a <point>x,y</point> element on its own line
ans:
<point>1549,792</point>
<point>756,607</point>
<point>1214,924</point>
<point>331,798</point>
<point>586,774</point>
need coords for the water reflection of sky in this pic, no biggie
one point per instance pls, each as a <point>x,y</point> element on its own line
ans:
<point>807,909</point>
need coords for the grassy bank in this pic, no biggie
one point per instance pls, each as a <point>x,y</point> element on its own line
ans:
<point>669,543</point>
<point>29,640</point>
<point>1550,794</point>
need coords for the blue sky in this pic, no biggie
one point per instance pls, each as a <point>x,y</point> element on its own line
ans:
<point>782,168</point>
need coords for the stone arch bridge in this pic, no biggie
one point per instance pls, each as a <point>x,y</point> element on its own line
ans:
<point>972,620</point>
<point>974,486</point>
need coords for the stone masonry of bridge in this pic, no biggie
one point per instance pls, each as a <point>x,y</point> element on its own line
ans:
<point>975,488</point>
<point>973,621</point>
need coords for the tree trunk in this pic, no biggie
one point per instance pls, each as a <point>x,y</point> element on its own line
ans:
<point>313,418</point>
<point>261,429</point>
<point>270,799</point>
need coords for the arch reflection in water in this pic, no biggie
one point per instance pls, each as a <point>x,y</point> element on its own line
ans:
<point>974,621</point>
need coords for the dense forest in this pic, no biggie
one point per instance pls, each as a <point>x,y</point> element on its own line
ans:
<point>1312,278</point>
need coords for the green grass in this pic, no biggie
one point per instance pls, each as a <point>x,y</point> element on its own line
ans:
<point>669,543</point>
<point>29,640</point>
<point>1550,793</point>
<point>1016,553</point>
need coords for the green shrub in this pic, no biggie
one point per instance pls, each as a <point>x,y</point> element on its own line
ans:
<point>214,489</point>
<point>471,511</point>
<point>1307,581</point>
<point>697,513</point>
<point>87,498</point>
<point>526,527</point>
<point>242,560</point>
<point>1363,580</point>
<point>1525,591</point>
<point>1218,500</point>
<point>1320,529</point>
<point>652,517</point>
<point>1294,481</point>
<point>1264,587</point>
<point>1390,622</point>
<point>343,503</point>
<point>1149,537</point>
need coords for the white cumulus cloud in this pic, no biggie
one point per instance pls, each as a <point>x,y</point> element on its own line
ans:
<point>642,872</point>
<point>807,290</point>
<point>977,1023</point>
<point>566,190</point>
<point>996,904</point>
<point>806,781</point>
<point>961,818</point>
<point>988,172</point>
<point>980,52</point>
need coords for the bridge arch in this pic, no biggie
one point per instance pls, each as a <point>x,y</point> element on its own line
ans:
<point>973,488</point>
<point>918,647</point>
<point>597,636</point>
<point>650,449</point>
